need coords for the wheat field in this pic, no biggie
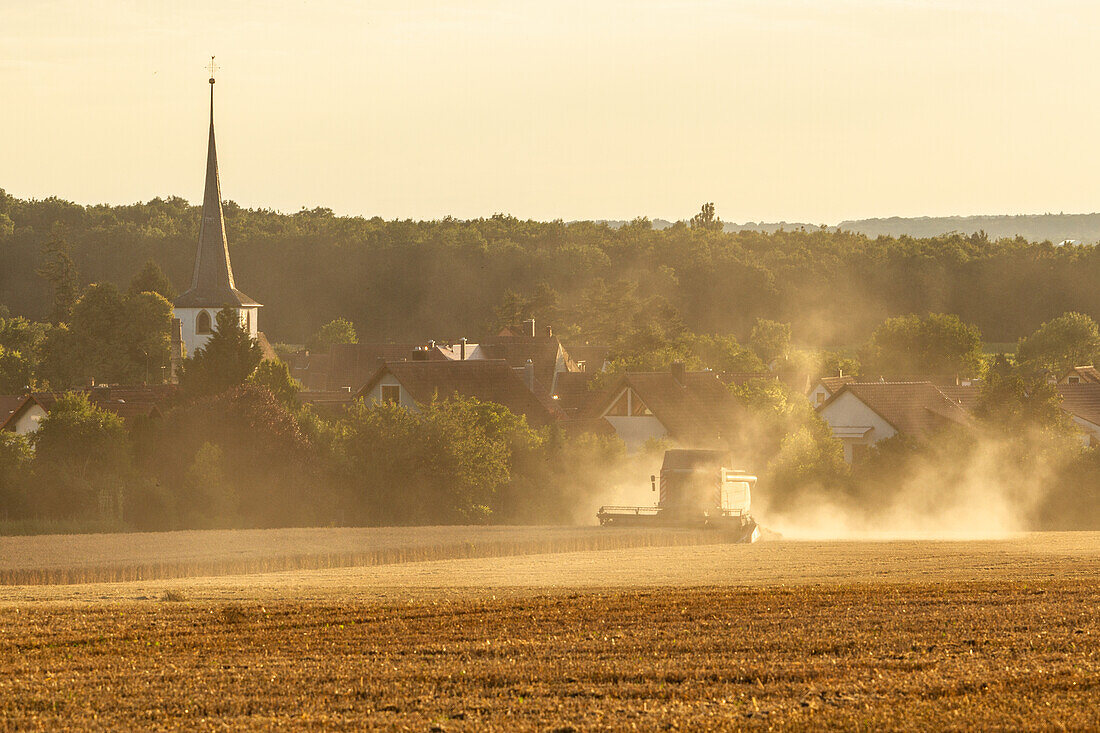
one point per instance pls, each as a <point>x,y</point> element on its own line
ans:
<point>60,559</point>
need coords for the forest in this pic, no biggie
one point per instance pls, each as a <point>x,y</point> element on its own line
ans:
<point>444,279</point>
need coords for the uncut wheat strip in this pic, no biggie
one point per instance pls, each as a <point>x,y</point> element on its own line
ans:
<point>462,549</point>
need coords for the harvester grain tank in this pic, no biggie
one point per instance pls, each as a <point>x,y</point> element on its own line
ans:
<point>697,489</point>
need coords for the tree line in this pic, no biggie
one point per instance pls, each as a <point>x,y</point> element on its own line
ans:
<point>401,280</point>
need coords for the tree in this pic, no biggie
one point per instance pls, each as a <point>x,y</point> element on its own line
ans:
<point>15,464</point>
<point>227,360</point>
<point>770,340</point>
<point>706,219</point>
<point>151,279</point>
<point>541,303</point>
<point>58,269</point>
<point>274,376</point>
<point>16,373</point>
<point>938,344</point>
<point>339,331</point>
<point>82,460</point>
<point>1071,339</point>
<point>120,338</point>
<point>448,463</point>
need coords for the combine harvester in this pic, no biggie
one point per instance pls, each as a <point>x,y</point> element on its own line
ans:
<point>698,490</point>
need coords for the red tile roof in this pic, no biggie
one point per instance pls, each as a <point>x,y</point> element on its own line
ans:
<point>351,365</point>
<point>699,411</point>
<point>1088,374</point>
<point>912,408</point>
<point>489,380</point>
<point>544,352</point>
<point>1081,400</point>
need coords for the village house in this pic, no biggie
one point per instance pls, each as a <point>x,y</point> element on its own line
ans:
<point>826,387</point>
<point>22,414</point>
<point>413,384</point>
<point>1081,401</point>
<point>688,408</point>
<point>862,414</point>
<point>1081,375</point>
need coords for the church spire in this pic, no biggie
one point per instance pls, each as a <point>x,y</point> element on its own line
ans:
<point>212,283</point>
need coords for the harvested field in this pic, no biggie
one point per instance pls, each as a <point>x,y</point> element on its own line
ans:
<point>928,656</point>
<point>779,635</point>
<point>51,559</point>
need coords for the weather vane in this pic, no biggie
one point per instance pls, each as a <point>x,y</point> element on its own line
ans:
<point>213,68</point>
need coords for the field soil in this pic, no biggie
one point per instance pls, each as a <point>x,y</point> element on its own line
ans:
<point>780,635</point>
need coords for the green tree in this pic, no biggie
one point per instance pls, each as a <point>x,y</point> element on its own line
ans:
<point>274,376</point>
<point>16,373</point>
<point>1071,339</point>
<point>151,279</point>
<point>227,360</point>
<point>448,463</point>
<point>707,219</point>
<point>938,344</point>
<point>120,338</point>
<point>82,461</point>
<point>770,340</point>
<point>58,269</point>
<point>15,466</point>
<point>339,331</point>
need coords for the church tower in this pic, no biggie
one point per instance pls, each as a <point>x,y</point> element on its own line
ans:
<point>212,286</point>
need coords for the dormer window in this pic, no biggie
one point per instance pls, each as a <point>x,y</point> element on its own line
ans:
<point>202,323</point>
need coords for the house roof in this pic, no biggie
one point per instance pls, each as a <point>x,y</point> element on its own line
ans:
<point>594,357</point>
<point>740,378</point>
<point>489,380</point>
<point>1088,374</point>
<point>351,365</point>
<point>912,408</point>
<point>964,396</point>
<point>9,403</point>
<point>573,392</point>
<point>834,383</point>
<point>212,283</point>
<point>1081,400</point>
<point>127,402</point>
<point>329,402</point>
<point>700,410</point>
<point>544,353</point>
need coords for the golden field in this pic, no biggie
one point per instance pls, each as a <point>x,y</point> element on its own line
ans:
<point>997,634</point>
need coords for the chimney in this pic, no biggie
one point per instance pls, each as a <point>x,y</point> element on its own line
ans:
<point>529,327</point>
<point>420,353</point>
<point>175,356</point>
<point>549,332</point>
<point>678,372</point>
<point>529,374</point>
<point>462,349</point>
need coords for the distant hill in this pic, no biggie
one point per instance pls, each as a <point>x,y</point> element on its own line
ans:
<point>1081,228</point>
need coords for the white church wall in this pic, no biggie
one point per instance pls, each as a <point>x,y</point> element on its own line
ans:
<point>189,317</point>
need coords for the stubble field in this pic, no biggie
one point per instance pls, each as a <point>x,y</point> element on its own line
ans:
<point>882,635</point>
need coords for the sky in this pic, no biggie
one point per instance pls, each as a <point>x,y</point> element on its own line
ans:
<point>797,110</point>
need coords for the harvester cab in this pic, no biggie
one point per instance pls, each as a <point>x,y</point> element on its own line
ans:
<point>696,489</point>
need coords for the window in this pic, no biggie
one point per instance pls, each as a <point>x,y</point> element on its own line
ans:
<point>391,393</point>
<point>248,321</point>
<point>1074,380</point>
<point>202,323</point>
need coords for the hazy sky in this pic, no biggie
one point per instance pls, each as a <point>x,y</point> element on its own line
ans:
<point>779,109</point>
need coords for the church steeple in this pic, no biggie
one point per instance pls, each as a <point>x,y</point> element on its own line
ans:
<point>212,283</point>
